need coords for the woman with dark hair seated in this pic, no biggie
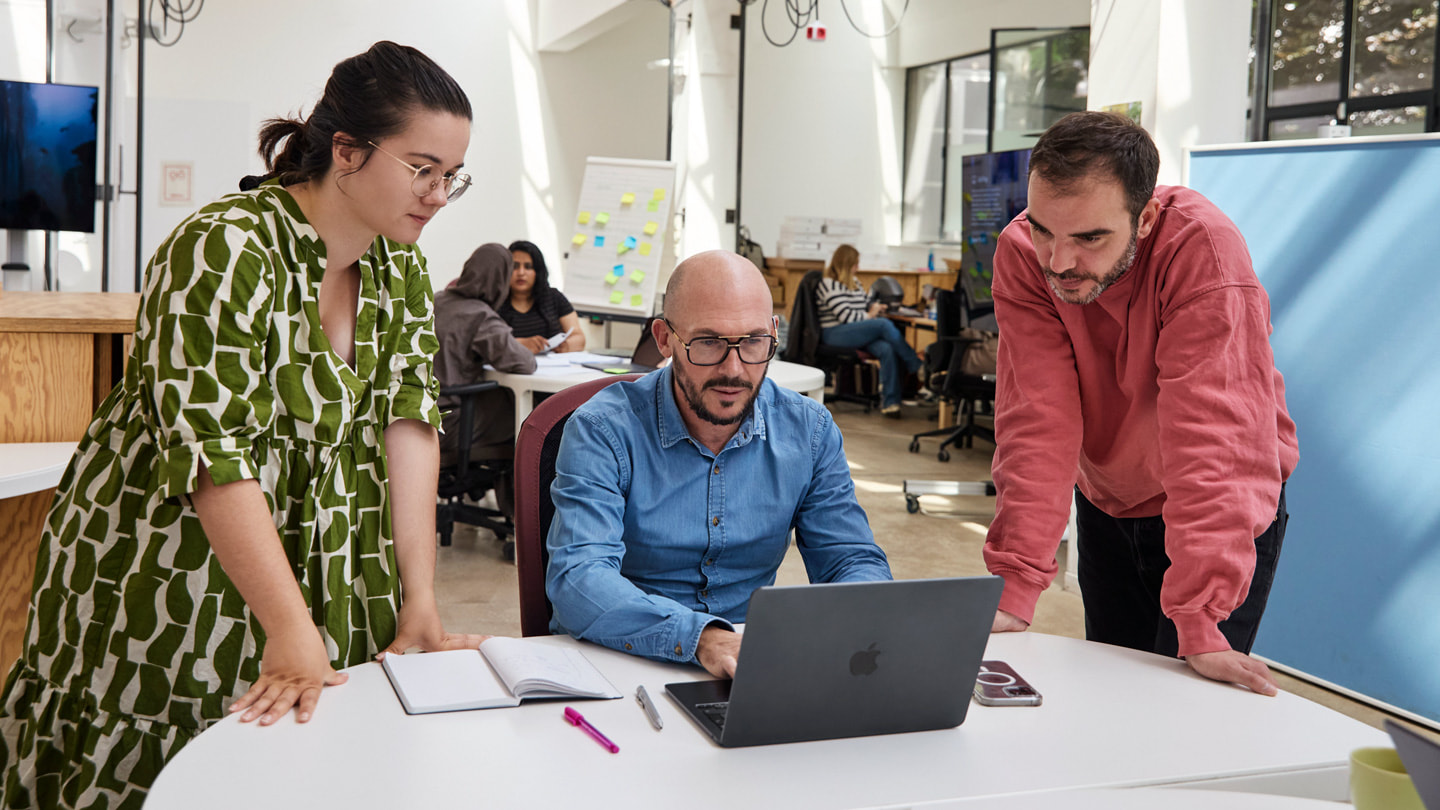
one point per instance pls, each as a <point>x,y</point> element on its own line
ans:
<point>535,310</point>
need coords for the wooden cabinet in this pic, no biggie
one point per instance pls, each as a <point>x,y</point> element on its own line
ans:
<point>60,354</point>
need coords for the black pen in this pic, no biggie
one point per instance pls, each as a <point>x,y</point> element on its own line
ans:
<point>643,698</point>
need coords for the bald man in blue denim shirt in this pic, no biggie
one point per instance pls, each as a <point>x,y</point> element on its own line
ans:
<point>675,494</point>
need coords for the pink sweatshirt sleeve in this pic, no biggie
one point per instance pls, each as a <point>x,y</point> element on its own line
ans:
<point>1221,457</point>
<point>1037,426</point>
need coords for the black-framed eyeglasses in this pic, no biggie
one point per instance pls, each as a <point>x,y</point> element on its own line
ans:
<point>712,351</point>
<point>425,182</point>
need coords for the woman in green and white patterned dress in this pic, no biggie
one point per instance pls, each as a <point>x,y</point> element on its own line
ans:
<point>249,505</point>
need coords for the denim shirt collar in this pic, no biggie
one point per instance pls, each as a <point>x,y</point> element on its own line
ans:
<point>671,425</point>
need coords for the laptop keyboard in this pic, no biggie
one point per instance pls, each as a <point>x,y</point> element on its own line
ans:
<point>715,711</point>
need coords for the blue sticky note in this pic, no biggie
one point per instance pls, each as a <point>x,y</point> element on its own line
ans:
<point>630,242</point>
<point>619,270</point>
<point>599,241</point>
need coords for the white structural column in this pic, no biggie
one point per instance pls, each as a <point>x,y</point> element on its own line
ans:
<point>1185,61</point>
<point>705,131</point>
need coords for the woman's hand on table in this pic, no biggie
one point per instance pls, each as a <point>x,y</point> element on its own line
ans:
<point>293,670</point>
<point>420,626</point>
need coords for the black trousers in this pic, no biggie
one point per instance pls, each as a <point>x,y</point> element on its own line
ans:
<point>1123,562</point>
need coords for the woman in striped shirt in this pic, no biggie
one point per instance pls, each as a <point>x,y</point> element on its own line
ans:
<point>848,319</point>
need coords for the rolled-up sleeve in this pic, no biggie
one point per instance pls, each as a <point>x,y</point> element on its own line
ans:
<point>413,390</point>
<point>204,356</point>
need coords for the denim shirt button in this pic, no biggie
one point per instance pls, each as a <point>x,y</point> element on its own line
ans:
<point>717,470</point>
<point>628,647</point>
<point>709,562</point>
<point>705,593</point>
<point>678,650</point>
<point>715,521</point>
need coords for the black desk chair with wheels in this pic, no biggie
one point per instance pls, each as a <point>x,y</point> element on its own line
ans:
<point>472,478</point>
<point>969,393</point>
<point>844,368</point>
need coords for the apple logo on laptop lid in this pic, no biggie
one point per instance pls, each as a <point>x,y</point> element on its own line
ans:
<point>863,662</point>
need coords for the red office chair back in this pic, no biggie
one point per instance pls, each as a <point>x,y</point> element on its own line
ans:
<point>535,450</point>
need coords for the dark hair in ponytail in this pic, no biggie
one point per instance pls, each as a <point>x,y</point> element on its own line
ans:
<point>368,97</point>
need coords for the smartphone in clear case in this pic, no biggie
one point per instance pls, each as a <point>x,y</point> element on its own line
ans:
<point>998,684</point>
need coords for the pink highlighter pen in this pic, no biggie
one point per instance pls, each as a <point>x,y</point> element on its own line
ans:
<point>578,720</point>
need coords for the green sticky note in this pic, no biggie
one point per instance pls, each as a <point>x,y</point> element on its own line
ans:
<point>627,198</point>
<point>659,194</point>
<point>584,217</point>
<point>617,370</point>
<point>644,248</point>
<point>611,278</point>
<point>652,206</point>
<point>616,297</point>
<point>651,228</point>
<point>637,300</point>
<point>621,249</point>
<point>602,218</point>
<point>637,276</point>
<point>578,240</point>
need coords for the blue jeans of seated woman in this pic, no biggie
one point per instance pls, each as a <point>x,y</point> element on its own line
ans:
<point>880,337</point>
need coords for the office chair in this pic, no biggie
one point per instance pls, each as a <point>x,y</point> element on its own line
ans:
<point>843,367</point>
<point>535,452</point>
<point>470,477</point>
<point>967,392</point>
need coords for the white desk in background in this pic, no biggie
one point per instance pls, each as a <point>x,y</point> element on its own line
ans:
<point>27,467</point>
<point>805,379</point>
<point>1112,718</point>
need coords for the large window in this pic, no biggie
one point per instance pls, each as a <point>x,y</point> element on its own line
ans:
<point>1366,63</point>
<point>994,101</point>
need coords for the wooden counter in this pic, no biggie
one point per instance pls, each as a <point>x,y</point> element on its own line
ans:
<point>60,354</point>
<point>789,272</point>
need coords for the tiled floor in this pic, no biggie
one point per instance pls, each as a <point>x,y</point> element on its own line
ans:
<point>477,587</point>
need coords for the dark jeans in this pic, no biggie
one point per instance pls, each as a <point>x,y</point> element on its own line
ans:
<point>1123,562</point>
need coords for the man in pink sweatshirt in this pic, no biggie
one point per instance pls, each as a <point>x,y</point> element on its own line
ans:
<point>1135,370</point>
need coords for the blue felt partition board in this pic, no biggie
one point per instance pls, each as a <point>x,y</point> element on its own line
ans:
<point>1345,236</point>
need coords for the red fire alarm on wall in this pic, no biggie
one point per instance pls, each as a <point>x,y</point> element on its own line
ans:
<point>815,31</point>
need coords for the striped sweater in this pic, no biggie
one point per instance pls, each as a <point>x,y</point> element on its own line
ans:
<point>840,304</point>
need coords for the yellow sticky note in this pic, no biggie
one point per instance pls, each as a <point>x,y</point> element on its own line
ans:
<point>584,217</point>
<point>578,240</point>
<point>651,228</point>
<point>659,194</point>
<point>637,300</point>
<point>637,276</point>
<point>617,297</point>
<point>644,248</point>
<point>627,198</point>
<point>611,278</point>
<point>602,218</point>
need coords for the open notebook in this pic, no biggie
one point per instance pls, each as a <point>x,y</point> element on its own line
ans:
<point>503,672</point>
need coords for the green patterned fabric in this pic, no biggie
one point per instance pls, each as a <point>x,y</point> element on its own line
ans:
<point>137,640</point>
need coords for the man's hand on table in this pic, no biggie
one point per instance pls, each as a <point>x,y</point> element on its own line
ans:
<point>1230,666</point>
<point>718,651</point>
<point>1008,623</point>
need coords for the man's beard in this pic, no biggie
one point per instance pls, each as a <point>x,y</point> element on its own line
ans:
<point>694,396</point>
<point>1101,282</point>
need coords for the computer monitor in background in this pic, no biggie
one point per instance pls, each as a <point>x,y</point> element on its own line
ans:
<point>995,185</point>
<point>47,156</point>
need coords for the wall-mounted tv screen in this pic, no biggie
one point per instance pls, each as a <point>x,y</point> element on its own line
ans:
<point>996,190</point>
<point>47,156</point>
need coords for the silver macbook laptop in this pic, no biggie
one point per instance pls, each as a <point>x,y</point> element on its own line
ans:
<point>1421,756</point>
<point>849,659</point>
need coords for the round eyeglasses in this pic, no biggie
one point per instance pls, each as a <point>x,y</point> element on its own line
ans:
<point>712,351</point>
<point>425,181</point>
